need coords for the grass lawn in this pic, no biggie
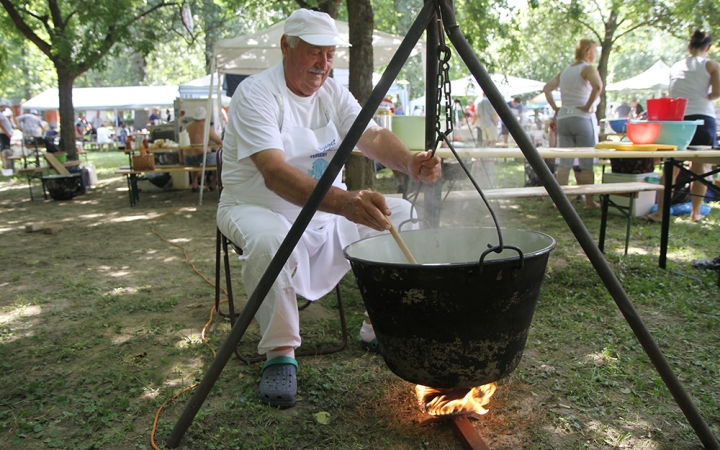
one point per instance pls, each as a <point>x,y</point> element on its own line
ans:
<point>102,324</point>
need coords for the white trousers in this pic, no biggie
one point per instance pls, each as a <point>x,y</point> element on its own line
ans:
<point>260,231</point>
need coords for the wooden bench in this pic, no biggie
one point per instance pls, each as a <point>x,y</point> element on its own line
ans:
<point>132,176</point>
<point>630,190</point>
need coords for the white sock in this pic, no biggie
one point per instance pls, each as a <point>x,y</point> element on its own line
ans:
<point>272,354</point>
<point>367,333</point>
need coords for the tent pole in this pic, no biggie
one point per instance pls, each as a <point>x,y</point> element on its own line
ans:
<point>206,131</point>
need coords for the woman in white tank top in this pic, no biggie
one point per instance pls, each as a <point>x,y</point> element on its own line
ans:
<point>696,78</point>
<point>580,86</point>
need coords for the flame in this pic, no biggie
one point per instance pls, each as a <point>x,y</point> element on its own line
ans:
<point>453,401</point>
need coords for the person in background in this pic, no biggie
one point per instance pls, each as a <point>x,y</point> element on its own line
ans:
<point>418,110</point>
<point>104,138</point>
<point>285,125</point>
<point>96,122</point>
<point>399,110</point>
<point>636,109</point>
<point>8,113</point>
<point>487,122</point>
<point>154,119</point>
<point>696,78</point>
<point>623,111</point>
<point>194,156</point>
<point>168,116</point>
<point>517,109</point>
<point>470,112</point>
<point>580,86</point>
<point>51,133</point>
<point>31,125</point>
<point>5,135</point>
<point>122,135</point>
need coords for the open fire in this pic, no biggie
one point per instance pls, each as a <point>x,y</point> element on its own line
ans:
<point>444,402</point>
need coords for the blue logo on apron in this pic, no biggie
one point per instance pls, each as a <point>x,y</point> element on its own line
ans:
<point>318,168</point>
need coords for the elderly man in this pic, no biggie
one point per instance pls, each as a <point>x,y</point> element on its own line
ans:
<point>285,125</point>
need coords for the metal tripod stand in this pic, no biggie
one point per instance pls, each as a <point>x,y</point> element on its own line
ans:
<point>429,20</point>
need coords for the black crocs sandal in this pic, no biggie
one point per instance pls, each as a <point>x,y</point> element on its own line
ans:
<point>278,386</point>
<point>371,346</point>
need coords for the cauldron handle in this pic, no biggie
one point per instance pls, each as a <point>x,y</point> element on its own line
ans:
<point>399,228</point>
<point>499,249</point>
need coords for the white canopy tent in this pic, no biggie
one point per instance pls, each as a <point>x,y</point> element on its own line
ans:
<point>198,88</point>
<point>107,98</point>
<point>253,53</point>
<point>655,78</point>
<point>508,85</point>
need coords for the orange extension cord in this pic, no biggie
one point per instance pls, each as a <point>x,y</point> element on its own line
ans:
<point>212,312</point>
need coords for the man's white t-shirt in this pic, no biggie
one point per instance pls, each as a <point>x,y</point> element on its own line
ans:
<point>258,105</point>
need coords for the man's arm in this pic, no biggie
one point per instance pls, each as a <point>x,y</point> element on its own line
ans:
<point>379,144</point>
<point>362,207</point>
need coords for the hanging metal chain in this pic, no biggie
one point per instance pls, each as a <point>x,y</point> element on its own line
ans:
<point>444,90</point>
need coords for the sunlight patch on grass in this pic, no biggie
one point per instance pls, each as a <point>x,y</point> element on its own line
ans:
<point>92,216</point>
<point>122,290</point>
<point>601,358</point>
<point>619,438</point>
<point>20,311</point>
<point>122,339</point>
<point>12,323</point>
<point>180,240</point>
<point>119,274</point>
<point>133,218</point>
<point>190,337</point>
<point>150,393</point>
<point>6,229</point>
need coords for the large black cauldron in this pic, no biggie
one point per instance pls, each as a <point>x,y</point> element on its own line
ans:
<point>444,322</point>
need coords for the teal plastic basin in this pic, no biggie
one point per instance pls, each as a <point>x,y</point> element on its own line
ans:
<point>678,133</point>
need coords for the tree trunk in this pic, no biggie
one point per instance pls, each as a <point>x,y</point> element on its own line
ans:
<point>607,43</point>
<point>360,171</point>
<point>67,112</point>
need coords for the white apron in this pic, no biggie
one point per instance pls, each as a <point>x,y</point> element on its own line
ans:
<point>320,262</point>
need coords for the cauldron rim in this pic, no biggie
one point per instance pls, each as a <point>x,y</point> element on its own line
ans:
<point>505,260</point>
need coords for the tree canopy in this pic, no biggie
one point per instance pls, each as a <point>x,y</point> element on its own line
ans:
<point>63,43</point>
<point>75,36</point>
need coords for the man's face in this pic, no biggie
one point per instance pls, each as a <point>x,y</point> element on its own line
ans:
<point>306,66</point>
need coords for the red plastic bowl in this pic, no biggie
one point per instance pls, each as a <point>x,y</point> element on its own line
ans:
<point>669,109</point>
<point>643,132</point>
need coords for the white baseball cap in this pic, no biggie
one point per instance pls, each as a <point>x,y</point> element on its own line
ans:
<point>315,28</point>
<point>200,113</point>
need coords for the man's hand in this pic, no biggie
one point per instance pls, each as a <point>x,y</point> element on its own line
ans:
<point>367,208</point>
<point>425,168</point>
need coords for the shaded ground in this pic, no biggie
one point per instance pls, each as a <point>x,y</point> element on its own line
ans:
<point>101,323</point>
